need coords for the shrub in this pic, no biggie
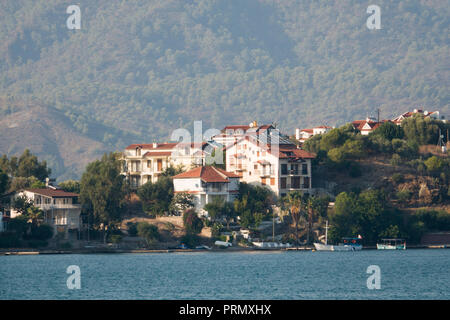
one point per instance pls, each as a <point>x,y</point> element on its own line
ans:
<point>149,232</point>
<point>66,245</point>
<point>115,238</point>
<point>9,240</point>
<point>42,232</point>
<point>397,177</point>
<point>190,240</point>
<point>132,229</point>
<point>18,225</point>
<point>404,195</point>
<point>192,223</point>
<point>37,243</point>
<point>396,160</point>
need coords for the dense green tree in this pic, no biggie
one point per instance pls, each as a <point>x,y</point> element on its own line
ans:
<point>181,202</point>
<point>70,186</point>
<point>366,214</point>
<point>421,130</point>
<point>254,203</point>
<point>156,197</point>
<point>219,209</point>
<point>28,165</point>
<point>102,191</point>
<point>389,130</point>
<point>3,182</point>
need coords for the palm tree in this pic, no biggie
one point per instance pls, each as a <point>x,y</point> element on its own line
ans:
<point>35,215</point>
<point>294,202</point>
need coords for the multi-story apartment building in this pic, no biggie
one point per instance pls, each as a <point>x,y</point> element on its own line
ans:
<point>269,159</point>
<point>61,209</point>
<point>207,184</point>
<point>146,162</point>
<point>233,133</point>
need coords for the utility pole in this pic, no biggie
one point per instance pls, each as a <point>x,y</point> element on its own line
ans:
<point>273,226</point>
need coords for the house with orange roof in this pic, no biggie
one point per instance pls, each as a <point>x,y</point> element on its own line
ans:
<point>304,134</point>
<point>61,209</point>
<point>145,162</point>
<point>206,184</point>
<point>271,160</point>
<point>231,133</point>
<point>426,114</point>
<point>367,126</point>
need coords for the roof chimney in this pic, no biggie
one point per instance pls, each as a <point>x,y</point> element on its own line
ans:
<point>155,145</point>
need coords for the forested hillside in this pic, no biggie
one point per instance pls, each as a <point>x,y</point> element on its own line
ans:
<point>139,69</point>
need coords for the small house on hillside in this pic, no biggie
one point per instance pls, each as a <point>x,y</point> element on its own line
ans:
<point>207,184</point>
<point>61,209</point>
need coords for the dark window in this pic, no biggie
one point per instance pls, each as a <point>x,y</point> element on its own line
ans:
<point>295,182</point>
<point>304,169</point>
<point>284,169</point>
<point>283,183</point>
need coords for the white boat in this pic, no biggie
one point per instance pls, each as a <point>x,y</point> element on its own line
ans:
<point>347,244</point>
<point>392,244</point>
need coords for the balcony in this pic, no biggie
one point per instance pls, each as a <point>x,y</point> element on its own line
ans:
<point>51,206</point>
<point>265,173</point>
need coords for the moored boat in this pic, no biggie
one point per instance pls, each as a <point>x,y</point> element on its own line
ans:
<point>347,244</point>
<point>392,244</point>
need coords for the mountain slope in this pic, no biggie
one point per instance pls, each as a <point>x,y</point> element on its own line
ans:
<point>143,69</point>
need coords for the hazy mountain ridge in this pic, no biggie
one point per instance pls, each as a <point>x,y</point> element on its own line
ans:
<point>143,69</point>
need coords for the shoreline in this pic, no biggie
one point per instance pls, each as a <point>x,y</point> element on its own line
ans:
<point>141,251</point>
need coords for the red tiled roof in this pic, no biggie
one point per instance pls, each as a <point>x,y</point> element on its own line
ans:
<point>296,154</point>
<point>207,174</point>
<point>308,130</point>
<point>165,146</point>
<point>53,193</point>
<point>150,146</point>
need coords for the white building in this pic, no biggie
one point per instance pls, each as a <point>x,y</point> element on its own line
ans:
<point>61,209</point>
<point>367,126</point>
<point>207,184</point>
<point>268,159</point>
<point>146,162</point>
<point>231,134</point>
<point>304,134</point>
<point>426,114</point>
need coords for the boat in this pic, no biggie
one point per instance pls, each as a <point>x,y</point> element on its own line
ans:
<point>392,244</point>
<point>347,244</point>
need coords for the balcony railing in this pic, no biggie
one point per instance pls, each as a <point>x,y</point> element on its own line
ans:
<point>264,173</point>
<point>51,206</point>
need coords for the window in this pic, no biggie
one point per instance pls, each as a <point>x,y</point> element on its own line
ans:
<point>255,166</point>
<point>263,181</point>
<point>294,168</point>
<point>304,169</point>
<point>284,169</point>
<point>283,183</point>
<point>306,182</point>
<point>149,163</point>
<point>138,151</point>
<point>272,181</point>
<point>295,182</point>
